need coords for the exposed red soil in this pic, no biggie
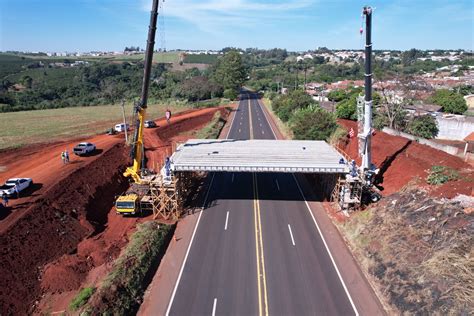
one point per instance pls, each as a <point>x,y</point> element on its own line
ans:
<point>54,224</point>
<point>159,142</point>
<point>64,234</point>
<point>402,160</point>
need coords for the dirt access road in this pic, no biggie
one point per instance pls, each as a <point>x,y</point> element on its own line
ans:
<point>65,229</point>
<point>42,162</point>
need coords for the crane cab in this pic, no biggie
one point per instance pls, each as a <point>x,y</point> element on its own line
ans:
<point>127,204</point>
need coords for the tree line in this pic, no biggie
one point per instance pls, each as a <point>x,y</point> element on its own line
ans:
<point>107,83</point>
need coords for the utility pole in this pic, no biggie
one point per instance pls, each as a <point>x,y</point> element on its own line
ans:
<point>366,159</point>
<point>124,121</point>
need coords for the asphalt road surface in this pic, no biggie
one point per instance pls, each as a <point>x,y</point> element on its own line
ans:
<point>256,249</point>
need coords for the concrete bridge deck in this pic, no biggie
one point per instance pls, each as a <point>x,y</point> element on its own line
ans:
<point>257,155</point>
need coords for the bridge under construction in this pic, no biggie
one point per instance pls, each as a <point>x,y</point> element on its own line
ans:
<point>257,155</point>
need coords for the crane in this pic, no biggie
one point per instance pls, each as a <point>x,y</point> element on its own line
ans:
<point>137,152</point>
<point>127,204</point>
<point>359,182</point>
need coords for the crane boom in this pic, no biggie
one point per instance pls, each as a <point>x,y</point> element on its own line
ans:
<point>138,152</point>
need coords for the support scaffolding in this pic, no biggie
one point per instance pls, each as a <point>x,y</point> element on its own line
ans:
<point>348,193</point>
<point>163,197</point>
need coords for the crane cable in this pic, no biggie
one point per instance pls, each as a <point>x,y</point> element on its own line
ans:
<point>361,30</point>
<point>161,33</point>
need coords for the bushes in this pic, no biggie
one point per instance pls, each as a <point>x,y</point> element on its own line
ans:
<point>423,126</point>
<point>306,119</point>
<point>230,94</point>
<point>81,298</point>
<point>312,123</point>
<point>214,128</point>
<point>441,174</point>
<point>347,109</point>
<point>123,289</point>
<point>285,105</point>
<point>452,102</point>
<point>337,95</point>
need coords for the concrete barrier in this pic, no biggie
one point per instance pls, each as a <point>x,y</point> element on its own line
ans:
<point>455,128</point>
<point>446,148</point>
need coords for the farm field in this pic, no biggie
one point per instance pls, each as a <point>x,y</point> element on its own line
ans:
<point>29,127</point>
<point>200,59</point>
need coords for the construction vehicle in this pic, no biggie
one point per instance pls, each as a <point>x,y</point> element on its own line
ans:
<point>357,187</point>
<point>129,203</point>
<point>149,192</point>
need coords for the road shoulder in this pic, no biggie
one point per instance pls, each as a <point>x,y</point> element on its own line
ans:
<point>158,294</point>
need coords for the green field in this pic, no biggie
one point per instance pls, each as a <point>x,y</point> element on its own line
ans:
<point>58,77</point>
<point>200,59</point>
<point>29,127</point>
<point>10,64</point>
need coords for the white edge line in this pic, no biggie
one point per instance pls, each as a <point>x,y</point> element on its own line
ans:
<point>195,229</point>
<point>266,117</point>
<point>226,220</point>
<point>327,248</point>
<point>316,223</point>
<point>291,234</point>
<point>214,307</point>
<point>232,123</point>
<point>189,248</point>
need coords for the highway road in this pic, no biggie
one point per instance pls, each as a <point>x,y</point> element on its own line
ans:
<point>256,249</point>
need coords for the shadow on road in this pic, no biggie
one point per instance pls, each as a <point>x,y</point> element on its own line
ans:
<point>94,153</point>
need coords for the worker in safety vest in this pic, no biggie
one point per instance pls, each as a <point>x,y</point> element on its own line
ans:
<point>63,157</point>
<point>66,156</point>
<point>168,116</point>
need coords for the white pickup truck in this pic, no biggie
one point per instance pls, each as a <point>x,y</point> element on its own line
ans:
<point>84,149</point>
<point>20,183</point>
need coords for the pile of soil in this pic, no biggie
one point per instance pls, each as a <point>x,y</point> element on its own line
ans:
<point>159,142</point>
<point>72,209</point>
<point>402,160</point>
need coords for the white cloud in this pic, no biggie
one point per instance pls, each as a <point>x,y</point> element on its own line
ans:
<point>213,16</point>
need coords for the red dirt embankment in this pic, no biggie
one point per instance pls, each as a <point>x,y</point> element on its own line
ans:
<point>54,238</point>
<point>401,160</point>
<point>70,210</point>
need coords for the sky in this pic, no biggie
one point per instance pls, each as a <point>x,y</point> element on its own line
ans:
<point>297,25</point>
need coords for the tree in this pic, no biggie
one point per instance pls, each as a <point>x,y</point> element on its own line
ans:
<point>465,89</point>
<point>452,102</point>
<point>27,81</point>
<point>312,123</point>
<point>347,109</point>
<point>392,109</point>
<point>410,56</point>
<point>285,105</point>
<point>230,94</point>
<point>392,106</point>
<point>230,71</point>
<point>337,95</point>
<point>424,126</point>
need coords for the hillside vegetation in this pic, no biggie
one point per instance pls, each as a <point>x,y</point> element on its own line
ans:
<point>37,83</point>
<point>419,250</point>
